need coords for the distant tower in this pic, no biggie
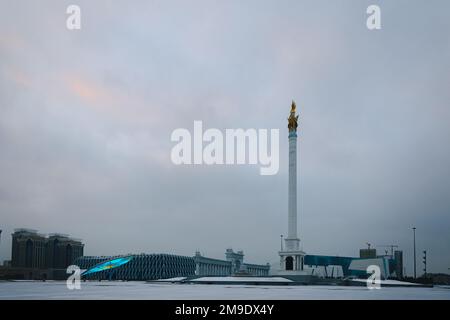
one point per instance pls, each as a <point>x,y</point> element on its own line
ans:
<point>292,258</point>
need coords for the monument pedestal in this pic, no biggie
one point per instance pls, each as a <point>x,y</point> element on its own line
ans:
<point>291,262</point>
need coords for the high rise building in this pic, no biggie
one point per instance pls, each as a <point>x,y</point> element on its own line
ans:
<point>61,250</point>
<point>31,249</point>
<point>28,249</point>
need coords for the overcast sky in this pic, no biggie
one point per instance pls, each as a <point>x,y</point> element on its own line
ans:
<point>86,118</point>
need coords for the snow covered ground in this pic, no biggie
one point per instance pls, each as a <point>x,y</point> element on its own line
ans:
<point>390,282</point>
<point>242,279</point>
<point>142,290</point>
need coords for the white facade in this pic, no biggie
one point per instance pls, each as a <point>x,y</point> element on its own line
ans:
<point>292,241</point>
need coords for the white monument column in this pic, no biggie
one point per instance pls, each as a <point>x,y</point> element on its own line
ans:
<point>292,241</point>
<point>291,257</point>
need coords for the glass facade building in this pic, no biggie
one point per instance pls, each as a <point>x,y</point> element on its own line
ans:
<point>144,267</point>
<point>141,267</point>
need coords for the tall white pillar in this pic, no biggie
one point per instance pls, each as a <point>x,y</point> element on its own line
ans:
<point>292,241</point>
<point>292,205</point>
<point>291,256</point>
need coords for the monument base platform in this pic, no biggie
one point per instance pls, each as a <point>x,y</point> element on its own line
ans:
<point>292,273</point>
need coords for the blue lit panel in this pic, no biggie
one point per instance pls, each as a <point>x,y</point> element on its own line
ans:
<point>108,265</point>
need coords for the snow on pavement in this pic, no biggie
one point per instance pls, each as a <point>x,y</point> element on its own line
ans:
<point>143,290</point>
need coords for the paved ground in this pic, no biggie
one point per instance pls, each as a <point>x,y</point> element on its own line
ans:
<point>142,290</point>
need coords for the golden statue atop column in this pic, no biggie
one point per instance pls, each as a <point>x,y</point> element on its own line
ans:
<point>293,119</point>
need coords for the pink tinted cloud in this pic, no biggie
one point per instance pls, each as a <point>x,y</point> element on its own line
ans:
<point>11,42</point>
<point>116,102</point>
<point>19,77</point>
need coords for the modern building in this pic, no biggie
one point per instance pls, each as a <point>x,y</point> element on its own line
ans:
<point>164,266</point>
<point>141,267</point>
<point>390,267</point>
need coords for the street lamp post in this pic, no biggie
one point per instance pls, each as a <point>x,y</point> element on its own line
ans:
<point>425,263</point>
<point>414,234</point>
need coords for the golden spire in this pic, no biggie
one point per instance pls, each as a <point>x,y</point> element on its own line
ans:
<point>293,119</point>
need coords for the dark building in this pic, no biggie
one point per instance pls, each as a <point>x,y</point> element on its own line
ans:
<point>36,256</point>
<point>28,249</point>
<point>61,251</point>
<point>398,257</point>
<point>368,253</point>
